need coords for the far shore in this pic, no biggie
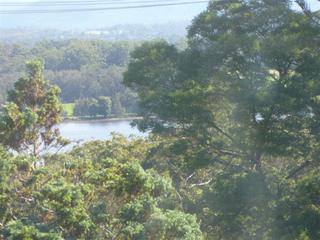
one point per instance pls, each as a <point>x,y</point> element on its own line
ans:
<point>114,119</point>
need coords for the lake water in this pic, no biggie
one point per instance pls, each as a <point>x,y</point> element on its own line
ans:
<point>83,131</point>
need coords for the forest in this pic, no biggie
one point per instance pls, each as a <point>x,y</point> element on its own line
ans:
<point>234,123</point>
<point>83,70</point>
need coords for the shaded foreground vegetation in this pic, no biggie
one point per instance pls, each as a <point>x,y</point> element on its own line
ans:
<point>108,190</point>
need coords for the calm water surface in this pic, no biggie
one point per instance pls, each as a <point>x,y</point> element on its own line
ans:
<point>83,131</point>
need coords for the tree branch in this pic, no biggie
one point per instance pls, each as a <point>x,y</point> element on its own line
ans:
<point>295,171</point>
<point>201,184</point>
<point>307,11</point>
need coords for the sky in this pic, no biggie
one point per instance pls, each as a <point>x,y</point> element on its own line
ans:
<point>314,4</point>
<point>99,19</point>
<point>85,20</point>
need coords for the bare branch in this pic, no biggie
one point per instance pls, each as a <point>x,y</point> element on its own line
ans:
<point>189,177</point>
<point>201,184</point>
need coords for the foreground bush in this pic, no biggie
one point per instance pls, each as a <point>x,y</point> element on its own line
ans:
<point>98,191</point>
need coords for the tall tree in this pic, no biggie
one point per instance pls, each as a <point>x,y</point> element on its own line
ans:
<point>30,114</point>
<point>245,87</point>
<point>304,5</point>
<point>241,106</point>
<point>104,106</point>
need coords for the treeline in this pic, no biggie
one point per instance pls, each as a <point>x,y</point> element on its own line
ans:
<point>93,107</point>
<point>82,69</point>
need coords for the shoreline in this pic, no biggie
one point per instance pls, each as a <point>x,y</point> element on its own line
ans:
<point>115,119</point>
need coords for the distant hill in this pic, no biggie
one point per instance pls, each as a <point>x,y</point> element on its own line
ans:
<point>171,32</point>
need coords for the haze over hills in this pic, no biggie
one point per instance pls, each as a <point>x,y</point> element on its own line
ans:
<point>171,32</point>
<point>84,20</point>
<point>81,21</point>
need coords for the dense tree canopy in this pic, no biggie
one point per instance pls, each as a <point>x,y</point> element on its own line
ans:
<point>247,82</point>
<point>93,107</point>
<point>97,191</point>
<point>81,68</point>
<point>239,109</point>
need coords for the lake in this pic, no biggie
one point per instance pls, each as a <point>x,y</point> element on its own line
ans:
<point>83,131</point>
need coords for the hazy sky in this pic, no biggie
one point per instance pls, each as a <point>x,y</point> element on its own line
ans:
<point>104,18</point>
<point>107,18</point>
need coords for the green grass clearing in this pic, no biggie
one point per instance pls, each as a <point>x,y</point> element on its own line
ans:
<point>68,109</point>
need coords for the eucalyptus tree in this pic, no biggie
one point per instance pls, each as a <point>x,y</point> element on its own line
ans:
<point>241,105</point>
<point>247,85</point>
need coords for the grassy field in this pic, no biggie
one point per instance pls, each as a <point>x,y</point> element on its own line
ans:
<point>68,109</point>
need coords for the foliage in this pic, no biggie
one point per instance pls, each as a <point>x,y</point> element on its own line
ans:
<point>299,209</point>
<point>33,109</point>
<point>104,106</point>
<point>93,107</point>
<point>68,109</point>
<point>237,111</point>
<point>81,68</point>
<point>233,89</point>
<point>17,230</point>
<point>97,191</point>
<point>86,107</point>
